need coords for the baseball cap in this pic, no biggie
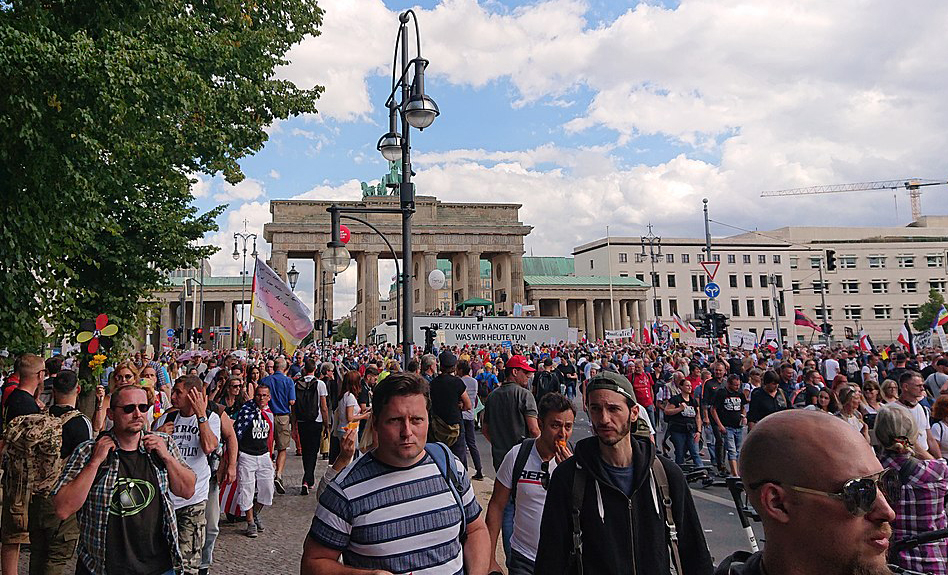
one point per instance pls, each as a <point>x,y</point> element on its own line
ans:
<point>548,361</point>
<point>447,359</point>
<point>520,362</point>
<point>613,382</point>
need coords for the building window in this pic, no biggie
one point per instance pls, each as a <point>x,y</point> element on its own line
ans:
<point>776,258</point>
<point>592,264</point>
<point>765,307</point>
<point>685,258</point>
<point>669,258</point>
<point>879,286</point>
<point>934,261</point>
<point>795,287</point>
<point>905,261</point>
<point>639,258</point>
<point>819,314</point>
<point>937,285</point>
<point>716,258</point>
<point>910,311</point>
<point>731,259</point>
<point>640,277</point>
<point>623,274</point>
<point>876,262</point>
<point>882,312</point>
<point>671,281</point>
<point>750,308</point>
<point>673,306</point>
<point>908,286</point>
<point>656,280</point>
<point>762,259</point>
<point>815,262</point>
<point>763,280</point>
<point>748,281</point>
<point>700,305</point>
<point>850,286</point>
<point>658,307</point>
<point>735,308</point>
<point>694,282</point>
<point>778,280</point>
<point>818,289</point>
<point>847,262</point>
<point>746,258</point>
<point>794,262</point>
<point>732,278</point>
<point>852,312</point>
<point>623,257</point>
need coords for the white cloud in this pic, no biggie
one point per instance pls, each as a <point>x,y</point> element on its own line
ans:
<point>202,187</point>
<point>246,189</point>
<point>256,215</point>
<point>275,174</point>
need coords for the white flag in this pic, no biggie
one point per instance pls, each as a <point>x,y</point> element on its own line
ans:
<point>275,304</point>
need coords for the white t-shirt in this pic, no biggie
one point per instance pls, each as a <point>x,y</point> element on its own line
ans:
<point>342,420</point>
<point>187,435</point>
<point>940,433</point>
<point>832,368</point>
<point>921,418</point>
<point>531,497</point>
<point>470,385</point>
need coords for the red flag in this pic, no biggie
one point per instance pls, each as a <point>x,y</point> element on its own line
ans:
<point>800,319</point>
<point>647,336</point>
<point>906,338</point>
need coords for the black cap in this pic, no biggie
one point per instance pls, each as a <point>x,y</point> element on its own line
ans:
<point>447,359</point>
<point>548,361</point>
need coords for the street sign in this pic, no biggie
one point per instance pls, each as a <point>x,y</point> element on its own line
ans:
<point>712,290</point>
<point>224,330</point>
<point>711,268</point>
<point>170,332</point>
<point>714,305</point>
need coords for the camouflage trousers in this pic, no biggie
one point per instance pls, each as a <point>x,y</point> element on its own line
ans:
<point>191,525</point>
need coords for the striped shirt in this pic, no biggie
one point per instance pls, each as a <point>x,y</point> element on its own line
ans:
<point>402,520</point>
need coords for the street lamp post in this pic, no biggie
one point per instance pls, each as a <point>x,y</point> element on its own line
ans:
<point>654,244</point>
<point>408,106</point>
<point>245,236</point>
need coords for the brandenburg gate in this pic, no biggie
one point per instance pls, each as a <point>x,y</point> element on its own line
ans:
<point>464,233</point>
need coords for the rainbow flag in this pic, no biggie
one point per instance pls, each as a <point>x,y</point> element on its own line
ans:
<point>941,318</point>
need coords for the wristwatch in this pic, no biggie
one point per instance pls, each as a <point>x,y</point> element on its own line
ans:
<point>202,419</point>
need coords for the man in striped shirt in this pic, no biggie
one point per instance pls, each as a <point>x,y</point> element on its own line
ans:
<point>393,511</point>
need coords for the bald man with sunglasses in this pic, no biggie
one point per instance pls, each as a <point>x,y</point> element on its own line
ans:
<point>822,496</point>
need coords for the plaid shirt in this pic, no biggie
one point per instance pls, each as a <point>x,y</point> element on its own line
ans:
<point>921,508</point>
<point>94,515</point>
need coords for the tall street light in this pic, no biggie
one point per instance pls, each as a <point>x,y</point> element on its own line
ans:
<point>654,244</point>
<point>245,236</point>
<point>408,106</point>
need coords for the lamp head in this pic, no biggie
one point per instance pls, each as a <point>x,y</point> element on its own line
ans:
<point>390,145</point>
<point>420,110</point>
<point>293,276</point>
<point>336,258</point>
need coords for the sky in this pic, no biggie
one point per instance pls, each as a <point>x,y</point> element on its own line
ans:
<point>612,113</point>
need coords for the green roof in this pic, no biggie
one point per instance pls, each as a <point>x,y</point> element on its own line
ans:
<point>547,266</point>
<point>214,281</point>
<point>599,281</point>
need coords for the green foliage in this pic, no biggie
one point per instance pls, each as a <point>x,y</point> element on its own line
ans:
<point>345,330</point>
<point>108,107</point>
<point>928,311</point>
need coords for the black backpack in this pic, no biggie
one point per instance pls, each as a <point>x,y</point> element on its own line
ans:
<point>307,400</point>
<point>545,382</point>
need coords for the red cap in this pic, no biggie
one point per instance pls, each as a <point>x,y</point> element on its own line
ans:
<point>519,361</point>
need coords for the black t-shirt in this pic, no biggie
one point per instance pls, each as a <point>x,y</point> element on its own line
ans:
<point>77,430</point>
<point>729,406</point>
<point>709,390</point>
<point>687,419</point>
<point>446,392</point>
<point>762,404</point>
<point>135,542</point>
<point>254,440</point>
<point>19,403</point>
<point>566,370</point>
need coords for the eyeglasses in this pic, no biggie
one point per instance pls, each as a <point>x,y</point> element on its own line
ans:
<point>545,476</point>
<point>859,494</point>
<point>130,408</point>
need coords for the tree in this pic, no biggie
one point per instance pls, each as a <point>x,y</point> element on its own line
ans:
<point>108,109</point>
<point>345,330</point>
<point>928,311</point>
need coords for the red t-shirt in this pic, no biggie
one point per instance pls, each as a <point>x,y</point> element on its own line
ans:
<point>642,385</point>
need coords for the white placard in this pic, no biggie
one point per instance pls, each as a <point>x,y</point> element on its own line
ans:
<point>737,337</point>
<point>619,333</point>
<point>494,330</point>
<point>769,334</point>
<point>572,335</point>
<point>749,340</point>
<point>941,337</point>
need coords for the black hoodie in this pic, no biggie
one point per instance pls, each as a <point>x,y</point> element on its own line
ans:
<point>610,520</point>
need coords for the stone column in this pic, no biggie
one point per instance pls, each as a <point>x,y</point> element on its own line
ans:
<point>166,319</point>
<point>624,313</point>
<point>474,275</point>
<point>227,320</point>
<point>500,273</point>
<point>371,291</point>
<point>563,311</point>
<point>278,261</point>
<point>419,281</point>
<point>589,326</point>
<point>516,278</point>
<point>607,322</point>
<point>360,297</point>
<point>597,320</point>
<point>459,272</point>
<point>642,317</point>
<point>431,296</point>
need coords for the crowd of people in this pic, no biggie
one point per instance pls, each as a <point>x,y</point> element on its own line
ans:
<point>140,477</point>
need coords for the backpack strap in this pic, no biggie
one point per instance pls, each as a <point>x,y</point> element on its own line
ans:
<point>526,446</point>
<point>443,458</point>
<point>671,531</point>
<point>579,493</point>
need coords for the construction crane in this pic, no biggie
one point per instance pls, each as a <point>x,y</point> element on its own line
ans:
<point>913,186</point>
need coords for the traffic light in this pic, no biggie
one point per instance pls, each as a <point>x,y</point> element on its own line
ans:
<point>430,334</point>
<point>199,335</point>
<point>703,328</point>
<point>190,335</point>
<point>720,323</point>
<point>830,260</point>
<point>827,328</point>
<point>330,327</point>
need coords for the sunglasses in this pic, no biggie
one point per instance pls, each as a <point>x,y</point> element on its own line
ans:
<point>859,494</point>
<point>130,408</point>
<point>545,477</point>
<point>125,376</point>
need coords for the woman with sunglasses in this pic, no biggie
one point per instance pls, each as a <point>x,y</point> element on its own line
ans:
<point>870,405</point>
<point>921,506</point>
<point>890,391</point>
<point>232,396</point>
<point>125,373</point>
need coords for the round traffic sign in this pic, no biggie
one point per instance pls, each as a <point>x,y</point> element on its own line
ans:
<point>344,234</point>
<point>712,290</point>
<point>170,332</point>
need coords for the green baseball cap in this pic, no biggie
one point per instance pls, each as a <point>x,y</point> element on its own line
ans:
<point>612,381</point>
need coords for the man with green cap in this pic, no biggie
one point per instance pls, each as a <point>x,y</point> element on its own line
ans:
<point>630,510</point>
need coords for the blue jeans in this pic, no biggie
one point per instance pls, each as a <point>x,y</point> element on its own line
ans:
<point>733,441</point>
<point>685,441</point>
<point>650,410</point>
<point>507,526</point>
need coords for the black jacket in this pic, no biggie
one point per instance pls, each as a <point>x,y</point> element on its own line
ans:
<point>741,563</point>
<point>609,528</point>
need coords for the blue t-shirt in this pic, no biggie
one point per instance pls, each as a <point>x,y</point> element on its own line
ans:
<point>621,477</point>
<point>282,392</point>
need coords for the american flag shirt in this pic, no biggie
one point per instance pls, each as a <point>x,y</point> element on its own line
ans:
<point>920,508</point>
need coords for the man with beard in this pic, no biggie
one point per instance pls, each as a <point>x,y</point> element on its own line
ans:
<point>846,531</point>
